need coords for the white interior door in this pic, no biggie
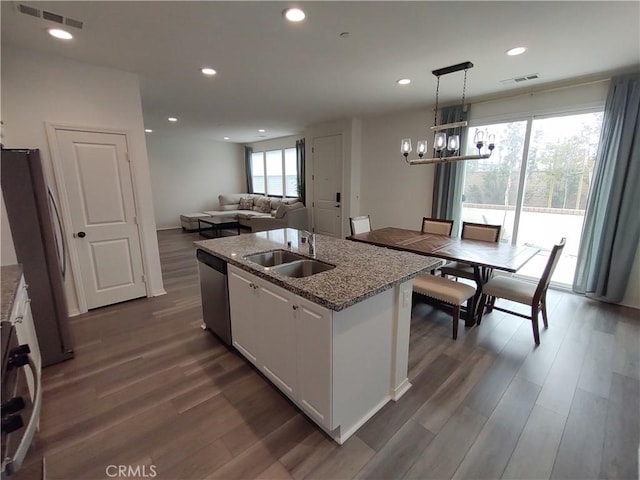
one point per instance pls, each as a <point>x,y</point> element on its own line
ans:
<point>99,188</point>
<point>327,185</point>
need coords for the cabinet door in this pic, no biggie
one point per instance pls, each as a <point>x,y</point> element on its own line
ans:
<point>25,330</point>
<point>245,321</point>
<point>315,361</point>
<point>279,334</point>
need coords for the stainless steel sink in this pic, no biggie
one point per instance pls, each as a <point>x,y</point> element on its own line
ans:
<point>275,257</point>
<point>302,268</point>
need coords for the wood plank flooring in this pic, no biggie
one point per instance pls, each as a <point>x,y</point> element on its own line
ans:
<point>149,388</point>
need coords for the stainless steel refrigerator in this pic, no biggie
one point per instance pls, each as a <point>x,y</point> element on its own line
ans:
<point>39,244</point>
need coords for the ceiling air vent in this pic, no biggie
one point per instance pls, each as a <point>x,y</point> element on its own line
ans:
<point>523,78</point>
<point>73,22</point>
<point>46,15</point>
<point>27,10</point>
<point>54,17</point>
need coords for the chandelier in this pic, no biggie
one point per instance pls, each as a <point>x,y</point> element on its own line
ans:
<point>448,149</point>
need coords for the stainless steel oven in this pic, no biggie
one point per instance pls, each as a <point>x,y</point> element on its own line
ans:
<point>20,409</point>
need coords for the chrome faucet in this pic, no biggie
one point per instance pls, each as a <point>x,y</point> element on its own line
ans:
<point>311,240</point>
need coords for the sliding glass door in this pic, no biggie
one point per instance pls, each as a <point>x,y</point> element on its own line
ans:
<point>535,184</point>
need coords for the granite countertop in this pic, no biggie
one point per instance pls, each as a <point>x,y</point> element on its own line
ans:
<point>10,279</point>
<point>362,270</point>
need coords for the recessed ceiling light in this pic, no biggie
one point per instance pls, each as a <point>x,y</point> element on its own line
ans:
<point>208,71</point>
<point>404,81</point>
<point>61,34</point>
<point>516,51</point>
<point>261,130</point>
<point>172,119</point>
<point>294,14</point>
<point>225,138</point>
<point>148,130</point>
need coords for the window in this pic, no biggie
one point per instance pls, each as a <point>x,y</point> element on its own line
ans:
<point>535,184</point>
<point>275,172</point>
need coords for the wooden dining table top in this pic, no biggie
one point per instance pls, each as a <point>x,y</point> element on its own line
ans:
<point>499,256</point>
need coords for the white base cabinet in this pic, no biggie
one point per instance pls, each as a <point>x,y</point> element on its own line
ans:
<point>341,367</point>
<point>22,321</point>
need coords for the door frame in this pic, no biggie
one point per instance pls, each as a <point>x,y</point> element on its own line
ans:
<point>65,209</point>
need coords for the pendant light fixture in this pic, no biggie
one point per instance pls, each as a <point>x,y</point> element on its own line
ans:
<point>446,149</point>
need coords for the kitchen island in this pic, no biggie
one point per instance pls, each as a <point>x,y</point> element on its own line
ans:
<point>336,342</point>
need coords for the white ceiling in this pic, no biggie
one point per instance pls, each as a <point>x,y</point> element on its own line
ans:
<point>281,76</point>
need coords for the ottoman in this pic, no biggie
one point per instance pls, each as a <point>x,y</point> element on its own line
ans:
<point>189,221</point>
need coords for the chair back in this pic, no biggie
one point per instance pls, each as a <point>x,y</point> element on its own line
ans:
<point>554,256</point>
<point>481,231</point>
<point>361,224</point>
<point>437,226</point>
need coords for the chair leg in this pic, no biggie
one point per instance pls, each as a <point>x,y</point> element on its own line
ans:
<point>481,307</point>
<point>456,320</point>
<point>490,304</point>
<point>534,324</point>
<point>543,304</point>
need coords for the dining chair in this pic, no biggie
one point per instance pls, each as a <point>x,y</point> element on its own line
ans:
<point>448,292</point>
<point>520,291</point>
<point>471,231</point>
<point>437,226</point>
<point>361,224</point>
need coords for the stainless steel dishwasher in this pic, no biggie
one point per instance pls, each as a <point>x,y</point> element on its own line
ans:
<point>215,295</point>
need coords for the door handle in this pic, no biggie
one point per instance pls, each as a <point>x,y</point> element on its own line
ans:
<point>80,234</point>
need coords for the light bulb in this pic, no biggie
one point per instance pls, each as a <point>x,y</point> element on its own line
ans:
<point>492,142</point>
<point>479,137</point>
<point>421,148</point>
<point>440,141</point>
<point>405,146</point>
<point>454,143</point>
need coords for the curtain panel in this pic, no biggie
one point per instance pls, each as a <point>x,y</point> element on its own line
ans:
<point>247,168</point>
<point>449,176</point>
<point>612,224</point>
<point>300,160</point>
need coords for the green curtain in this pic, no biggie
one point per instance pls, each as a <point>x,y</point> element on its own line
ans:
<point>300,156</point>
<point>247,168</point>
<point>612,223</point>
<point>448,178</point>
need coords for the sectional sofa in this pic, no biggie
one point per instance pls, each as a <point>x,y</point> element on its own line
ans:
<point>256,212</point>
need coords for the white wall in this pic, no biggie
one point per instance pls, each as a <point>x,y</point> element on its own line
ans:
<point>393,192</point>
<point>275,143</point>
<point>39,88</point>
<point>188,174</point>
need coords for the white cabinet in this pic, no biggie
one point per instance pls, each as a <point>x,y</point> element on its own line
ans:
<point>278,327</point>
<point>314,328</point>
<point>339,367</point>
<point>22,320</point>
<point>287,337</point>
<point>244,308</point>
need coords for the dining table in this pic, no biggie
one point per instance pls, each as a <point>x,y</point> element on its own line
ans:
<point>484,257</point>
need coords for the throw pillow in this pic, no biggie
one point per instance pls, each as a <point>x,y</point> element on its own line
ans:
<point>263,205</point>
<point>275,203</point>
<point>282,209</point>
<point>246,203</point>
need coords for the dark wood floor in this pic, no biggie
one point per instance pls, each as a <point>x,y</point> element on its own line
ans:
<point>148,388</point>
